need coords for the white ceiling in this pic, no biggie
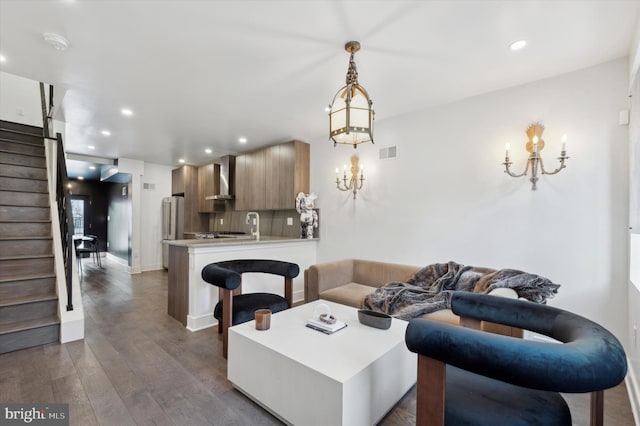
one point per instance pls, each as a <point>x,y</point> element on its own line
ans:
<point>200,74</point>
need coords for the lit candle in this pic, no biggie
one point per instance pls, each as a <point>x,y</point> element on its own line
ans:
<point>506,147</point>
<point>564,142</point>
<point>361,170</point>
<point>535,144</point>
<point>344,171</point>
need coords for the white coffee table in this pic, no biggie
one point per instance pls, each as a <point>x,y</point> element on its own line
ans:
<point>304,377</point>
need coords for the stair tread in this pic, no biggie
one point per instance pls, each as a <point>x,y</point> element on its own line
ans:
<point>7,129</point>
<point>26,256</point>
<point>22,165</point>
<point>23,153</point>
<point>2,174</point>
<point>26,325</point>
<point>25,277</point>
<point>25,220</point>
<point>35,237</point>
<point>10,301</point>
<point>6,204</point>
<point>24,191</point>
<point>36,144</point>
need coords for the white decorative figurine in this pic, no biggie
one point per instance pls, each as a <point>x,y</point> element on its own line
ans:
<point>308,216</point>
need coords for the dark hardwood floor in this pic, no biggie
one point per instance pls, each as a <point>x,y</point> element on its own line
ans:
<point>137,365</point>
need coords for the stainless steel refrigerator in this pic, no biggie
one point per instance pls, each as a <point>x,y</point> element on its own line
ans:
<point>172,224</point>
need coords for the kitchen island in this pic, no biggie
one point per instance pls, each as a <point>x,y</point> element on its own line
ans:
<point>191,299</point>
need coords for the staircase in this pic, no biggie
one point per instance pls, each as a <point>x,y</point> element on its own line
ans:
<point>28,300</point>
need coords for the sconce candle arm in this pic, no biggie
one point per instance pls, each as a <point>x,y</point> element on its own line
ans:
<point>507,170</point>
<point>353,184</point>
<point>563,156</point>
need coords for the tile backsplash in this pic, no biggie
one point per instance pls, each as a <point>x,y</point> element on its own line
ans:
<point>272,222</point>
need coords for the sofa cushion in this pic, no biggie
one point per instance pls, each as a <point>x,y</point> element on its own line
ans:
<point>376,274</point>
<point>447,316</point>
<point>351,294</point>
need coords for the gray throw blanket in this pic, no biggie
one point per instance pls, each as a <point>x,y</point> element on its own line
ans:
<point>430,288</point>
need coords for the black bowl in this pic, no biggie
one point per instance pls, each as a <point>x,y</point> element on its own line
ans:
<point>374,319</point>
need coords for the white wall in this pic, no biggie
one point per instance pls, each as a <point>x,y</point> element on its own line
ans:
<point>20,100</point>
<point>633,350</point>
<point>446,197</point>
<point>151,224</point>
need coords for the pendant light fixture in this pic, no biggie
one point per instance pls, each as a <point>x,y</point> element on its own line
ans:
<point>351,112</point>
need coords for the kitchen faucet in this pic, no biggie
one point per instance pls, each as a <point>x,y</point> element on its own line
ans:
<point>257,233</point>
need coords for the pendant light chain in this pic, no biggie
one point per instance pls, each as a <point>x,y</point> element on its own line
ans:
<point>352,72</point>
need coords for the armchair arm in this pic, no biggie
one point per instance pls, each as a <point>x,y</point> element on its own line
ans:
<point>221,277</point>
<point>324,276</point>
<point>590,359</point>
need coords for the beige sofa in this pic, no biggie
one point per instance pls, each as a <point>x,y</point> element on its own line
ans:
<point>349,281</point>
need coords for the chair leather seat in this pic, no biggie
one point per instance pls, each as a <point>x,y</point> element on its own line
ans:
<point>472,399</point>
<point>245,306</point>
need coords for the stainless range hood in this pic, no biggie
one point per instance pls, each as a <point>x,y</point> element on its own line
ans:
<point>227,179</point>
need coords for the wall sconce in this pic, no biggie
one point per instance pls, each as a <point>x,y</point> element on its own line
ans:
<point>351,184</point>
<point>534,146</point>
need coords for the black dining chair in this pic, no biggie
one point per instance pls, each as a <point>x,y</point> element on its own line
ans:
<point>93,243</point>
<point>86,246</point>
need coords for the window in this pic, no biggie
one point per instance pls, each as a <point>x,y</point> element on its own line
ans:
<point>77,211</point>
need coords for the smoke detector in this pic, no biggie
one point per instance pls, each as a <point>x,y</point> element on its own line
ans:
<point>56,40</point>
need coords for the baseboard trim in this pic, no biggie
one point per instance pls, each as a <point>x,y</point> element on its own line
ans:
<point>196,323</point>
<point>634,391</point>
<point>118,260</point>
<point>147,268</point>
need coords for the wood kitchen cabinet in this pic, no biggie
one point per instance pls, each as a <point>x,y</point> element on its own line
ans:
<point>177,181</point>
<point>293,175</point>
<point>209,184</point>
<point>184,182</point>
<point>256,167</point>
<point>271,177</point>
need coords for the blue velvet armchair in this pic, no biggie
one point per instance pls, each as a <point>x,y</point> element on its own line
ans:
<point>466,376</point>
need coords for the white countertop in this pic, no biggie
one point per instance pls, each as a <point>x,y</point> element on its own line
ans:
<point>219,242</point>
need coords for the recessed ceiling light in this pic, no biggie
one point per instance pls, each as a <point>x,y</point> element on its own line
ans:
<point>106,133</point>
<point>91,147</point>
<point>208,150</point>
<point>56,40</point>
<point>181,160</point>
<point>126,111</point>
<point>92,167</point>
<point>80,177</point>
<point>3,58</point>
<point>517,45</point>
<point>242,140</point>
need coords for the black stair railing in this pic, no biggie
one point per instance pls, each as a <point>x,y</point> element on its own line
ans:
<point>63,197</point>
<point>65,218</point>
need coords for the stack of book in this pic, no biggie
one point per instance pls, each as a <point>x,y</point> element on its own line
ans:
<point>325,328</point>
